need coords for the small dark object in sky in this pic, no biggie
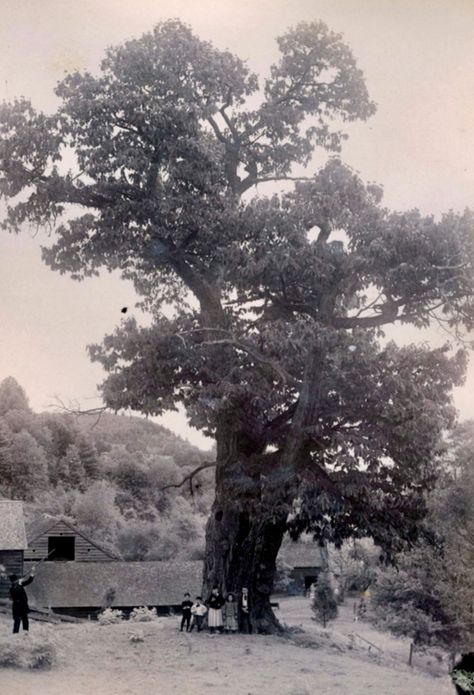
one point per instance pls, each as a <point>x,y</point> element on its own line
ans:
<point>124,309</point>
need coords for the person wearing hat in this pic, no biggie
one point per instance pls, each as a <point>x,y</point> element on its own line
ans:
<point>19,599</point>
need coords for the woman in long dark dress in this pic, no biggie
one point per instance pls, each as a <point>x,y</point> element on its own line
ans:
<point>214,616</point>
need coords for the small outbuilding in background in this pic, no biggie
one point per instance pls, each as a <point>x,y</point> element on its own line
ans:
<point>307,561</point>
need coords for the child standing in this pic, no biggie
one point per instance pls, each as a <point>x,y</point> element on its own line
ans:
<point>230,614</point>
<point>198,611</point>
<point>215,603</point>
<point>186,606</point>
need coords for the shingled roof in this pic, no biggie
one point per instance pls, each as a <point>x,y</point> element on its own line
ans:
<point>302,554</point>
<point>12,526</point>
<point>85,584</point>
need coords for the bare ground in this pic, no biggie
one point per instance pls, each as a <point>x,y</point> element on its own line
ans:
<point>101,660</point>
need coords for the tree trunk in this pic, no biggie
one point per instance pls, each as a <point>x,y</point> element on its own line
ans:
<point>241,552</point>
<point>242,543</point>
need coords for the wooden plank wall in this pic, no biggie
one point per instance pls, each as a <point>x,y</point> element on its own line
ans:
<point>84,550</point>
<point>13,562</point>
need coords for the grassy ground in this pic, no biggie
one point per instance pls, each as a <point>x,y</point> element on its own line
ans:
<point>381,645</point>
<point>102,660</point>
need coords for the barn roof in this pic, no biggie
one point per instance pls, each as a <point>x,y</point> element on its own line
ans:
<point>85,584</point>
<point>44,524</point>
<point>302,554</point>
<point>12,526</point>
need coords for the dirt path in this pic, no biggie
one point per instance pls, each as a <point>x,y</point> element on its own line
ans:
<point>98,660</point>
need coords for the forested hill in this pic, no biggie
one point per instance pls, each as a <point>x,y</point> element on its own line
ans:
<point>107,475</point>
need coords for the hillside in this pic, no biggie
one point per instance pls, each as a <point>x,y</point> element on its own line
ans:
<point>116,476</point>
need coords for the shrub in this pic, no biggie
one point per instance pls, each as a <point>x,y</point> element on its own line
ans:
<point>110,616</point>
<point>143,615</point>
<point>37,651</point>
<point>324,603</point>
<point>408,601</point>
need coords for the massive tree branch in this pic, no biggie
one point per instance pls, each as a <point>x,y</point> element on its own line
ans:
<point>284,376</point>
<point>189,477</point>
<point>164,251</point>
<point>217,132</point>
<point>388,314</point>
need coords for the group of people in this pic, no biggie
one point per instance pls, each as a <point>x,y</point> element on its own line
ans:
<point>223,614</point>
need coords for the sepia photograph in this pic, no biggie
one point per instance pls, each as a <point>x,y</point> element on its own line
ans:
<point>236,337</point>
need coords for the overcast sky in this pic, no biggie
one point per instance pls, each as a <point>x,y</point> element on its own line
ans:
<point>418,59</point>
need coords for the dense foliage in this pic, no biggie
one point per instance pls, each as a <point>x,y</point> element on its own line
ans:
<point>353,565</point>
<point>429,594</point>
<point>106,474</point>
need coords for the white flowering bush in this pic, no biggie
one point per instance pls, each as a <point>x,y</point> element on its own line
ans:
<point>143,615</point>
<point>110,616</point>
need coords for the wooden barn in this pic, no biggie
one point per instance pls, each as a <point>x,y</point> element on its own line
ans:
<point>79,577</point>
<point>12,542</point>
<point>58,540</point>
<point>84,588</point>
<point>307,561</point>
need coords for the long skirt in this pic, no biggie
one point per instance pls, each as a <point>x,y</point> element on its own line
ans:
<point>214,617</point>
<point>230,623</point>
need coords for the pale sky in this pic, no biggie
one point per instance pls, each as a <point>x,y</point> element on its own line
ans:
<point>418,60</point>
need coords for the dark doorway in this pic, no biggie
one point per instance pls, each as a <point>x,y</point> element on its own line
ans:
<point>61,548</point>
<point>309,579</point>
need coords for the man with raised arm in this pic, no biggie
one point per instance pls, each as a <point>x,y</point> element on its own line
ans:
<point>19,599</point>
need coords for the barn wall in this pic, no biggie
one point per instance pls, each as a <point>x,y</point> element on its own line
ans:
<point>13,562</point>
<point>304,576</point>
<point>85,551</point>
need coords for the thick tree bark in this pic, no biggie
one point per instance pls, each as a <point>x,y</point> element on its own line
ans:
<point>248,520</point>
<point>241,544</point>
<point>241,552</point>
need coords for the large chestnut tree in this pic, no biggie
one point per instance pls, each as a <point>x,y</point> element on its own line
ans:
<point>268,310</point>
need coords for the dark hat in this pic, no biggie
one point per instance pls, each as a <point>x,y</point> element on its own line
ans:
<point>13,577</point>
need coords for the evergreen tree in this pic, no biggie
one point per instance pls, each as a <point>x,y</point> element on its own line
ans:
<point>89,458</point>
<point>324,603</point>
<point>63,434</point>
<point>5,467</point>
<point>75,468</point>
<point>58,471</point>
<point>12,396</point>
